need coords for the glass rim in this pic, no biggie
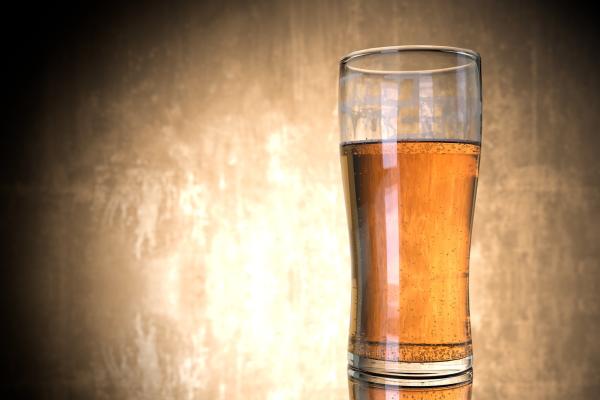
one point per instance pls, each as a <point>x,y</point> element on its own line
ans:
<point>474,56</point>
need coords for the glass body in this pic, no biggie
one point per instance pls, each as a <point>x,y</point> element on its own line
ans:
<point>372,387</point>
<point>410,121</point>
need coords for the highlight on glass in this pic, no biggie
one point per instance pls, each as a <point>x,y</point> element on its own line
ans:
<point>410,124</point>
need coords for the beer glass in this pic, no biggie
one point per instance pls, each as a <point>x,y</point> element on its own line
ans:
<point>410,122</point>
<point>364,386</point>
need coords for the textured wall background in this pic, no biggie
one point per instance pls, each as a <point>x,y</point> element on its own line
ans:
<point>172,206</point>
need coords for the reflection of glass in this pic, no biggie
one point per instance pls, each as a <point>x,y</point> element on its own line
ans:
<point>410,121</point>
<point>363,386</point>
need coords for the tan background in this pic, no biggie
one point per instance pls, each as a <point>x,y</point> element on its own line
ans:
<point>180,232</point>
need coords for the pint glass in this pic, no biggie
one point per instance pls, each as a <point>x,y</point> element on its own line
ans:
<point>410,122</point>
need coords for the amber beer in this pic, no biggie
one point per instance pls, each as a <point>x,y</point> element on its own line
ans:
<point>410,208</point>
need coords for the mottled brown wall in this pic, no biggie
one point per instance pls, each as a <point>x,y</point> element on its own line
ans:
<point>179,231</point>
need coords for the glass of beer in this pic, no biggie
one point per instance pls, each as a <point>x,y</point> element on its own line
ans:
<point>410,122</point>
<point>364,386</point>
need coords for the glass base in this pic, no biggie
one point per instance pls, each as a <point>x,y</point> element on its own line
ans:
<point>410,369</point>
<point>413,382</point>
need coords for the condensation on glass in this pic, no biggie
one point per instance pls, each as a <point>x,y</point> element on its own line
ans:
<point>410,121</point>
